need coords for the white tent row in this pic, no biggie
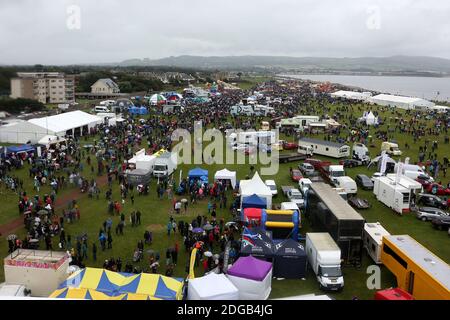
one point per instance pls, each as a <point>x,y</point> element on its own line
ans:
<point>401,102</point>
<point>352,95</point>
<point>226,175</point>
<point>256,186</point>
<point>33,130</point>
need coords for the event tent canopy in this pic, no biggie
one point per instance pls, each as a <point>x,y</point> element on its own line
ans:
<point>17,149</point>
<point>225,174</point>
<point>60,123</point>
<point>290,260</point>
<point>212,287</point>
<point>254,202</point>
<point>252,277</point>
<point>250,268</point>
<point>113,285</point>
<point>197,173</point>
<point>255,186</point>
<point>49,139</point>
<point>257,243</point>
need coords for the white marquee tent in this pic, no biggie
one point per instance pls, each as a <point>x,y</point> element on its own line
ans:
<point>401,102</point>
<point>352,95</point>
<point>256,186</point>
<point>212,287</point>
<point>225,174</point>
<point>33,130</point>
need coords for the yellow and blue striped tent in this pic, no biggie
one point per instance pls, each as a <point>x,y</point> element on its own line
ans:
<point>99,284</point>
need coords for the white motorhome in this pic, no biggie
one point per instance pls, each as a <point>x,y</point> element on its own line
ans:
<point>373,240</point>
<point>326,148</point>
<point>391,148</point>
<point>165,165</point>
<point>298,122</point>
<point>396,195</point>
<point>346,183</point>
<point>324,257</point>
<point>361,152</point>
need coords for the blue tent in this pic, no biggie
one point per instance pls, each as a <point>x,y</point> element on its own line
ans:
<point>134,110</point>
<point>143,110</point>
<point>198,173</point>
<point>254,202</point>
<point>24,148</point>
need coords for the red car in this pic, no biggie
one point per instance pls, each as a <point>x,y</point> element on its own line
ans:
<point>290,146</point>
<point>316,163</point>
<point>438,189</point>
<point>424,181</point>
<point>296,175</point>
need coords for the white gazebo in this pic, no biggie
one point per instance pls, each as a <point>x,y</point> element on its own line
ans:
<point>226,174</point>
<point>256,186</point>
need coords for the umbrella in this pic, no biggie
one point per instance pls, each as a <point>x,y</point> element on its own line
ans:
<point>208,227</point>
<point>151,252</point>
<point>197,230</point>
<point>157,99</point>
<point>12,237</point>
<point>184,200</point>
<point>208,254</point>
<point>42,212</point>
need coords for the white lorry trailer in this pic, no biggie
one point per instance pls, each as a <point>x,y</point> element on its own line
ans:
<point>373,240</point>
<point>397,195</point>
<point>324,257</point>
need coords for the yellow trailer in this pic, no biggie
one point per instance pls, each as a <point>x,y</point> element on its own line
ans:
<point>418,271</point>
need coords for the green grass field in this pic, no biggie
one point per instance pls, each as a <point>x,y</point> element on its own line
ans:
<point>156,214</point>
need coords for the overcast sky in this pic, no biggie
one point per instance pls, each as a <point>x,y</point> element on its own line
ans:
<point>42,31</point>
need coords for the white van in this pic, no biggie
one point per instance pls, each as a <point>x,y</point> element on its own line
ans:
<point>101,109</point>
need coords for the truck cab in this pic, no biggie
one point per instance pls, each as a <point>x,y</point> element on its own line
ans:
<point>324,257</point>
<point>335,172</point>
<point>164,165</point>
<point>361,152</point>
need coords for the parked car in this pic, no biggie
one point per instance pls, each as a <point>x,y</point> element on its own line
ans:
<point>306,168</point>
<point>430,200</point>
<point>272,186</point>
<point>424,180</point>
<point>316,163</point>
<point>359,203</point>
<point>296,175</point>
<point>290,145</point>
<point>350,163</point>
<point>429,213</point>
<point>364,182</point>
<point>442,223</point>
<point>437,189</point>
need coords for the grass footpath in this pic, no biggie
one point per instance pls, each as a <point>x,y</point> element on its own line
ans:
<point>156,212</point>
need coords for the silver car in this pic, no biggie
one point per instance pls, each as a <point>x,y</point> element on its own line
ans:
<point>429,213</point>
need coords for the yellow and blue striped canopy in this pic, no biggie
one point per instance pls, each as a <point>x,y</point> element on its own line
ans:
<point>99,284</point>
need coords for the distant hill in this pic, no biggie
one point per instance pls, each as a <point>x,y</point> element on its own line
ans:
<point>365,64</point>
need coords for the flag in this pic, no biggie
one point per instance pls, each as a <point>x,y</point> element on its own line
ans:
<point>384,159</point>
